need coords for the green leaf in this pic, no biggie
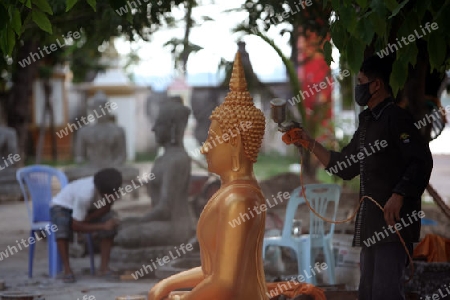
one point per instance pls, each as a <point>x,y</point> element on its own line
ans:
<point>26,21</point>
<point>206,18</point>
<point>410,23</point>
<point>41,20</point>
<point>11,40</point>
<point>442,18</point>
<point>362,3</point>
<point>335,3</point>
<point>43,5</point>
<point>436,51</point>
<point>28,4</point>
<point>398,75</point>
<point>16,22</point>
<point>378,7</point>
<point>355,54</point>
<point>7,40</point>
<point>70,4</point>
<point>399,7</point>
<point>3,42</point>
<point>391,4</point>
<point>365,30</point>
<point>93,4</point>
<point>347,16</point>
<point>339,36</point>
<point>421,7</point>
<point>327,51</point>
<point>379,24</point>
<point>408,53</point>
<point>116,4</point>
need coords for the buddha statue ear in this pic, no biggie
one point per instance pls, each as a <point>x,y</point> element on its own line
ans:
<point>236,146</point>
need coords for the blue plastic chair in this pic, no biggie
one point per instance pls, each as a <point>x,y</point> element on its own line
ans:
<point>36,186</point>
<point>319,196</point>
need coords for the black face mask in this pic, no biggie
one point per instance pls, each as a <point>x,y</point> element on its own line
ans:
<point>362,93</point>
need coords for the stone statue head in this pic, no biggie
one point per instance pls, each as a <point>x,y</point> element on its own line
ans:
<point>171,122</point>
<point>99,99</point>
<point>98,103</point>
<point>241,123</point>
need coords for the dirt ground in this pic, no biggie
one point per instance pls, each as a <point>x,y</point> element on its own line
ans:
<point>15,226</point>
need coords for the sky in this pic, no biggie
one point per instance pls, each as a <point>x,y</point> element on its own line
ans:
<point>217,40</point>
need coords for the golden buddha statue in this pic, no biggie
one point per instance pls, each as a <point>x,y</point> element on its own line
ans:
<point>231,255</point>
<point>232,266</point>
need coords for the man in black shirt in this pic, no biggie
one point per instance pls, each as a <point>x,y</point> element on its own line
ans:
<point>394,163</point>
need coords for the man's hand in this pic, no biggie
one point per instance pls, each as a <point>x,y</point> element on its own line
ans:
<point>392,209</point>
<point>111,224</point>
<point>299,137</point>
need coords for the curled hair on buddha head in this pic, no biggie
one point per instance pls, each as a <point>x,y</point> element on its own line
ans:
<point>238,110</point>
<point>108,180</point>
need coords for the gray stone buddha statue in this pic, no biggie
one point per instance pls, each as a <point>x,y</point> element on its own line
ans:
<point>168,222</point>
<point>101,145</point>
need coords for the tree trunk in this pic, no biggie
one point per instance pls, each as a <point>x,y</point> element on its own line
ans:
<point>414,91</point>
<point>53,132</point>
<point>41,138</point>
<point>19,105</point>
<point>47,111</point>
<point>187,33</point>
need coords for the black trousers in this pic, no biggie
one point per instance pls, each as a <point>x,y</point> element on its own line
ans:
<point>383,271</point>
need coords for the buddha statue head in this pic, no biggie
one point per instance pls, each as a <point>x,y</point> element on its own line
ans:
<point>237,128</point>
<point>171,122</point>
<point>99,104</point>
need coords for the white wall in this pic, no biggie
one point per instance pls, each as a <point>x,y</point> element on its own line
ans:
<point>126,118</point>
<point>56,98</point>
<point>145,139</point>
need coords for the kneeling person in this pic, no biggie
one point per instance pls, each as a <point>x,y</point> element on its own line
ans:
<point>73,210</point>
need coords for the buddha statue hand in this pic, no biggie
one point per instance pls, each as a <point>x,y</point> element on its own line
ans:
<point>158,292</point>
